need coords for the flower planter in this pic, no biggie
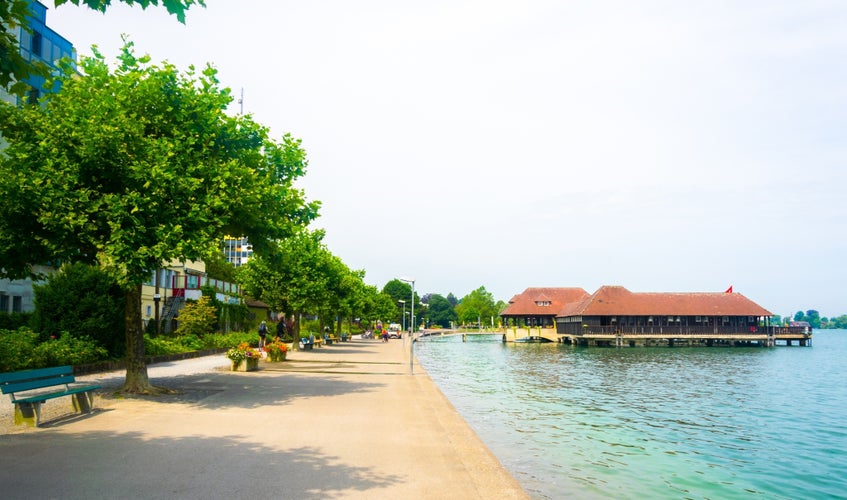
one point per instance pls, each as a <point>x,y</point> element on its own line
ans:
<point>274,358</point>
<point>248,365</point>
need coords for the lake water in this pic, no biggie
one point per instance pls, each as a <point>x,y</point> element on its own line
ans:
<point>655,422</point>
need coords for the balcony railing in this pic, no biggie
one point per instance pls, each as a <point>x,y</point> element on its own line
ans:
<point>194,282</point>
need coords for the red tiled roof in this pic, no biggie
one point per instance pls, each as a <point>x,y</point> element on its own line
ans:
<point>526,303</point>
<point>618,301</point>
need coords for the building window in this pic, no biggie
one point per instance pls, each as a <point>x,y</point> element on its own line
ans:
<point>47,50</point>
<point>32,97</point>
<point>4,303</point>
<point>149,310</point>
<point>17,304</point>
<point>36,44</point>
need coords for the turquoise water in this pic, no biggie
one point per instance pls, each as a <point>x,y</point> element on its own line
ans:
<point>655,422</point>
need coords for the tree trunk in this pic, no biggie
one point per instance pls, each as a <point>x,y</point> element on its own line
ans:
<point>136,366</point>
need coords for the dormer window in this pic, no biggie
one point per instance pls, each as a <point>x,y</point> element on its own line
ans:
<point>543,303</point>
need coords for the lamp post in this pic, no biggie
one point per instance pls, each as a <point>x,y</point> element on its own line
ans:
<point>156,299</point>
<point>411,328</point>
<point>404,313</point>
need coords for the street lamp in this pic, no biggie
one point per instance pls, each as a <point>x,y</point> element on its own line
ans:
<point>404,313</point>
<point>156,299</point>
<point>412,328</point>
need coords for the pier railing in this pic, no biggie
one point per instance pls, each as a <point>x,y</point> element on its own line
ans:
<point>710,331</point>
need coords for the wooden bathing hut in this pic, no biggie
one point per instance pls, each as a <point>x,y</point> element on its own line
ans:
<point>538,307</point>
<point>615,316</point>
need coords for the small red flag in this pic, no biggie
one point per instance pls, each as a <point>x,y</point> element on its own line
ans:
<point>729,290</point>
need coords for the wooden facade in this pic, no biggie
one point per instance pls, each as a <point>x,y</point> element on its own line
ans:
<point>616,316</point>
<point>538,307</point>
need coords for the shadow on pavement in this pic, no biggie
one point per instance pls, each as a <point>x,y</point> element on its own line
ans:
<point>244,390</point>
<point>133,465</point>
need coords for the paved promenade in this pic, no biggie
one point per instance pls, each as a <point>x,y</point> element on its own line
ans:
<point>342,421</point>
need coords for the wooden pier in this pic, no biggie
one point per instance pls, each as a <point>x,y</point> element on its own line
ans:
<point>764,337</point>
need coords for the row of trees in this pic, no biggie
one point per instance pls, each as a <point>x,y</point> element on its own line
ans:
<point>302,277</point>
<point>477,308</point>
<point>814,319</point>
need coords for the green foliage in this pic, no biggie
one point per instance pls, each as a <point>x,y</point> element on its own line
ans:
<point>310,326</point>
<point>175,7</point>
<point>218,268</point>
<point>85,302</point>
<point>138,166</point>
<point>229,316</point>
<point>135,165</point>
<point>226,340</point>
<point>197,318</point>
<point>441,312</point>
<point>15,69</point>
<point>303,277</point>
<point>68,350</point>
<point>16,349</point>
<point>811,316</point>
<point>159,346</point>
<point>13,321</point>
<point>476,306</point>
<point>400,290</point>
<point>839,322</point>
<point>22,350</point>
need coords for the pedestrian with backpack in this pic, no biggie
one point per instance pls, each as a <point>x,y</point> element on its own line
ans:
<point>263,331</point>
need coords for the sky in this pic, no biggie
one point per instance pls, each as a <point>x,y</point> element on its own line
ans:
<point>663,146</point>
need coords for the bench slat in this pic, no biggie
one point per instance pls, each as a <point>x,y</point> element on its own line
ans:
<point>43,397</point>
<point>35,374</point>
<point>41,383</point>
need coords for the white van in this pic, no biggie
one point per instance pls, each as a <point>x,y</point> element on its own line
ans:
<point>394,331</point>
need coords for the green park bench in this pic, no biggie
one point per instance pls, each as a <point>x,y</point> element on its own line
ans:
<point>38,386</point>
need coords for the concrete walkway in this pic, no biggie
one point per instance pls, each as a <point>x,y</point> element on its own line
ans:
<point>342,421</point>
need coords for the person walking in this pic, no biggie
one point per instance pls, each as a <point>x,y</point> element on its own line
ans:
<point>263,332</point>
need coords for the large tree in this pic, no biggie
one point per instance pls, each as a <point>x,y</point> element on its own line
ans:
<point>477,306</point>
<point>14,68</point>
<point>441,312</point>
<point>400,290</point>
<point>137,166</point>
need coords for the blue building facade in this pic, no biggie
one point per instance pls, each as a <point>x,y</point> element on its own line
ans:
<point>39,43</point>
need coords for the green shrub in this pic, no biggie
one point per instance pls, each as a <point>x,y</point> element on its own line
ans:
<point>84,301</point>
<point>160,346</point>
<point>16,348</point>
<point>197,318</point>
<point>227,340</point>
<point>189,342</point>
<point>68,350</point>
<point>13,321</point>
<point>310,326</point>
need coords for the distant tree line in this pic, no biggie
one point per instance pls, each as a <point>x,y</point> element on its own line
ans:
<point>816,321</point>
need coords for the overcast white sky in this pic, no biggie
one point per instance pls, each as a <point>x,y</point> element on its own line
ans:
<point>658,145</point>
